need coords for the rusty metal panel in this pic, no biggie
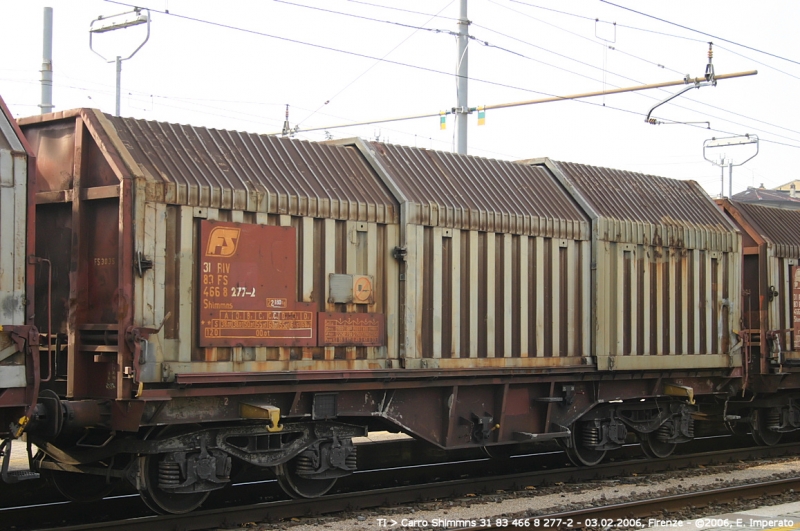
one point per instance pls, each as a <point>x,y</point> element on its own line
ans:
<point>13,216</point>
<point>102,235</point>
<point>497,300</point>
<point>662,246</point>
<point>474,193</point>
<point>358,329</point>
<point>650,210</point>
<point>54,145</point>
<point>778,226</point>
<point>342,218</point>
<point>772,252</point>
<point>796,307</point>
<point>661,302</point>
<point>319,248</point>
<point>226,169</point>
<point>14,158</point>
<point>247,292</point>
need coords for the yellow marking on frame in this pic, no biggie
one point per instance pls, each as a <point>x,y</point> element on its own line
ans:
<point>680,390</point>
<point>263,411</point>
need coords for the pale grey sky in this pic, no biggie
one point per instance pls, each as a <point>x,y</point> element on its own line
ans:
<point>205,75</point>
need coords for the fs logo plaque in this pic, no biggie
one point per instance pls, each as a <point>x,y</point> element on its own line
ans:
<point>223,242</point>
<point>246,290</point>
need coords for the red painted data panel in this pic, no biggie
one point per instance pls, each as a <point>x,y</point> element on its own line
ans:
<point>352,329</point>
<point>796,306</point>
<point>247,288</point>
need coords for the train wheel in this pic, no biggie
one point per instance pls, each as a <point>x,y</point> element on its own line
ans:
<point>297,486</point>
<point>158,499</point>
<point>762,435</point>
<point>654,448</point>
<point>161,501</point>
<point>579,454</point>
<point>80,488</point>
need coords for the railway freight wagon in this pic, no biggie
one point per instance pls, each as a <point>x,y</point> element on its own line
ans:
<point>221,298</point>
<point>18,371</point>
<point>770,309</point>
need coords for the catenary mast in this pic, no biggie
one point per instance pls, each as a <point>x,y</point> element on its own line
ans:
<point>462,109</point>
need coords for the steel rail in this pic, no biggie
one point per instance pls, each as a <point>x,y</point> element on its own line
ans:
<point>276,511</point>
<point>638,511</point>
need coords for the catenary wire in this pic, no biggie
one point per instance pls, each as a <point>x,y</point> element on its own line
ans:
<point>327,101</point>
<point>701,32</point>
<point>329,48</point>
<point>637,81</point>
<point>486,43</point>
<point>657,33</point>
<point>356,54</point>
<point>401,9</point>
<point>141,97</point>
<point>499,48</point>
<point>757,61</point>
<point>577,34</point>
<point>362,17</point>
<point>490,45</point>
<point>598,20</point>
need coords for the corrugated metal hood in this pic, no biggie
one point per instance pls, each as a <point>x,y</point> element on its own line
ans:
<point>228,169</point>
<point>475,193</point>
<point>779,226</point>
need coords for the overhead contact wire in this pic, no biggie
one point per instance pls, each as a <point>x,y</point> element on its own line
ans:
<point>631,79</point>
<point>327,48</point>
<point>715,37</point>
<point>356,54</point>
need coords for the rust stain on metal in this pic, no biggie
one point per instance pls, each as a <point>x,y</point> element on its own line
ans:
<point>777,225</point>
<point>227,169</point>
<point>625,195</point>
<point>796,306</point>
<point>352,329</point>
<point>246,288</point>
<point>473,193</point>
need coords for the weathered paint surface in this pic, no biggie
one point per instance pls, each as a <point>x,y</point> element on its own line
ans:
<point>667,265</point>
<point>796,307</point>
<point>470,262</point>
<point>14,160</point>
<point>247,292</point>
<point>359,329</point>
<point>496,261</point>
<point>153,186</point>
<point>13,216</point>
<point>230,170</point>
<point>772,253</point>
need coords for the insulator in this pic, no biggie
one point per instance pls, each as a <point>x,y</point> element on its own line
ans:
<point>591,436</point>
<point>774,418</point>
<point>169,474</point>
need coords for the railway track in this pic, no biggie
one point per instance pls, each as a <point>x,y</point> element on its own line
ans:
<point>643,513</point>
<point>276,510</point>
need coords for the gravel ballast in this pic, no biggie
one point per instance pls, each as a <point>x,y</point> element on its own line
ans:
<point>547,500</point>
